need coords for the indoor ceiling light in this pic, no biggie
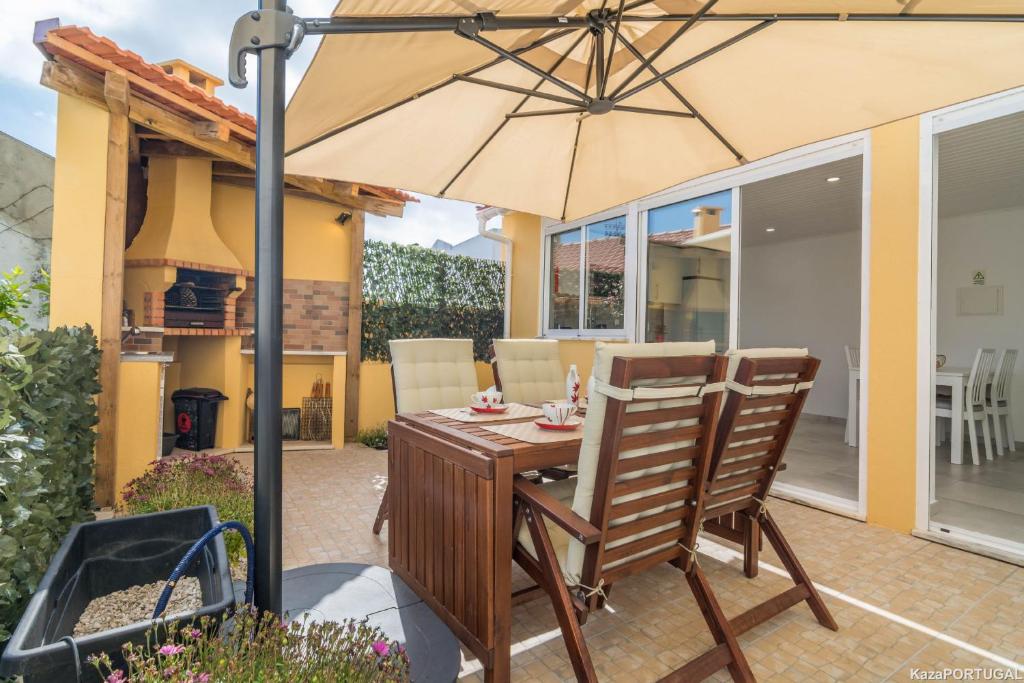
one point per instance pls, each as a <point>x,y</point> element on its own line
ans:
<point>769,229</point>
<point>833,179</point>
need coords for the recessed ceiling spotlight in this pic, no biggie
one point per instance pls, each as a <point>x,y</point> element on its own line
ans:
<point>769,229</point>
<point>833,179</point>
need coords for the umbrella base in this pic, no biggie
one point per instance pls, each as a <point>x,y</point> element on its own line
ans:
<point>342,590</point>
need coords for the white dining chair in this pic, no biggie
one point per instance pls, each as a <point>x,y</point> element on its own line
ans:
<point>853,402</point>
<point>973,402</point>
<point>999,400</point>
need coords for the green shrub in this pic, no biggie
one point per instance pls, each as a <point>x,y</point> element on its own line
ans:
<point>261,648</point>
<point>47,415</point>
<point>410,292</point>
<point>15,299</point>
<point>374,437</point>
<point>188,480</point>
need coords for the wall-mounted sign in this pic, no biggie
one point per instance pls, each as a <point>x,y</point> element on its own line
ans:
<point>978,277</point>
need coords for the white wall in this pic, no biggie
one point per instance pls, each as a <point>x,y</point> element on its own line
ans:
<point>26,213</point>
<point>992,241</point>
<point>806,292</point>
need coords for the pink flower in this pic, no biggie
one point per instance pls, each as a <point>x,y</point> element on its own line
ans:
<point>381,648</point>
<point>195,633</point>
<point>116,677</point>
<point>168,650</point>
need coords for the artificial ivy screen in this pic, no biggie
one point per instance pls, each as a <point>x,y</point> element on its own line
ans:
<point>410,292</point>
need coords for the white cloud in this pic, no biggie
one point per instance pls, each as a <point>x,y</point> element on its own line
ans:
<point>425,222</point>
<point>17,53</point>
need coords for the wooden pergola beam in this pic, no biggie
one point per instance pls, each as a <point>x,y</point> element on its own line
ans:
<point>68,78</point>
<point>115,95</point>
<point>139,83</point>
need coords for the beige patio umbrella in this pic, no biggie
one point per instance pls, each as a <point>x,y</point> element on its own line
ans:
<point>564,122</point>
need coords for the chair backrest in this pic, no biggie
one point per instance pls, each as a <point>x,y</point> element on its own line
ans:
<point>756,425</point>
<point>1002,383</point>
<point>981,375</point>
<point>852,357</point>
<point>432,373</point>
<point>643,459</point>
<point>529,370</point>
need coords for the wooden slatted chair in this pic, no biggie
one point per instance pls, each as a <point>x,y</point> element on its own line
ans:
<point>637,501</point>
<point>427,374</point>
<point>766,391</point>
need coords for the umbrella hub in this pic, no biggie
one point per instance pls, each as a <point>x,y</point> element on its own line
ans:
<point>600,106</point>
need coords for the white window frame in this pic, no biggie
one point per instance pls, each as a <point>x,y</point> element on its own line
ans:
<point>629,274</point>
<point>931,125</point>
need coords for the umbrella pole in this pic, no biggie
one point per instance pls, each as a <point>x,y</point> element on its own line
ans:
<point>269,292</point>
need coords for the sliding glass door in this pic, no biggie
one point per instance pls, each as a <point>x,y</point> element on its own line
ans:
<point>975,408</point>
<point>688,270</point>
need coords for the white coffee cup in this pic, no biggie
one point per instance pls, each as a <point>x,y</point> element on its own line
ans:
<point>488,398</point>
<point>558,412</point>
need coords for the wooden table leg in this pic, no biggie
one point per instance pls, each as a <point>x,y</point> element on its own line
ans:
<point>501,669</point>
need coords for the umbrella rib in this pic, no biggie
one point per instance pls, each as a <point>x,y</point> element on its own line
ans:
<point>544,112</point>
<point>686,103</point>
<point>520,90</point>
<point>659,112</point>
<point>544,40</point>
<point>693,60</point>
<point>611,50</point>
<point>512,57</point>
<point>687,25</point>
<point>504,122</point>
<point>579,126</point>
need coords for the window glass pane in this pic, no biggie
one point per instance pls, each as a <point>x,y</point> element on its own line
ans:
<point>564,279</point>
<point>606,268</point>
<point>688,270</point>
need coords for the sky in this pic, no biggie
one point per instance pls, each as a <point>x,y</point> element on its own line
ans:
<point>196,31</point>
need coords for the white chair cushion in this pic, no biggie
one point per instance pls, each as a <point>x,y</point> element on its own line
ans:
<point>432,373</point>
<point>562,490</point>
<point>593,429</point>
<point>530,370</point>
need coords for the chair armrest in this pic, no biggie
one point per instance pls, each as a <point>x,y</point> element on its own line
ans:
<point>576,526</point>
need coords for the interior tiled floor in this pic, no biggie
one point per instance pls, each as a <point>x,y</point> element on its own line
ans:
<point>818,458</point>
<point>901,602</point>
<point>986,498</point>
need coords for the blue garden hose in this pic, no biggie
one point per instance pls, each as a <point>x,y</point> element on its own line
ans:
<point>165,596</point>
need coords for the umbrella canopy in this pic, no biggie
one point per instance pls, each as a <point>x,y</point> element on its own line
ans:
<point>629,97</point>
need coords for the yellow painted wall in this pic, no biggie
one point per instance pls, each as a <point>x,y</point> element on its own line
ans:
<point>79,211</point>
<point>177,223</point>
<point>527,255</point>
<point>316,247</point>
<point>892,378</point>
<point>338,378</point>
<point>377,398</point>
<point>138,420</point>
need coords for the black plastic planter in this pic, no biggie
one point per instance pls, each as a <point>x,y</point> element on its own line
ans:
<point>98,558</point>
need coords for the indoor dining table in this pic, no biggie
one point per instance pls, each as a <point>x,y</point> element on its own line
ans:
<point>451,521</point>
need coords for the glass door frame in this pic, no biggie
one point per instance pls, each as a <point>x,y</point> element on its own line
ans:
<point>810,156</point>
<point>932,124</point>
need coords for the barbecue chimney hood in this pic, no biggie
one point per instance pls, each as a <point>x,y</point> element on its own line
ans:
<point>178,227</point>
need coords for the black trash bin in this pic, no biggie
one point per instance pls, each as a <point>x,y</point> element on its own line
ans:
<point>195,417</point>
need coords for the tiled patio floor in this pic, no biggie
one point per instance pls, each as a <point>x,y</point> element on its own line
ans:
<point>901,602</point>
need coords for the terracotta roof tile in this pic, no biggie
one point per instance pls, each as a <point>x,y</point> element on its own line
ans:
<point>130,61</point>
<point>107,49</point>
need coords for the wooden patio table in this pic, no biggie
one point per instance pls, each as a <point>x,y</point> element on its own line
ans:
<point>450,522</point>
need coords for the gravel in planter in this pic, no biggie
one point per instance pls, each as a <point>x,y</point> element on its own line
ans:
<point>135,604</point>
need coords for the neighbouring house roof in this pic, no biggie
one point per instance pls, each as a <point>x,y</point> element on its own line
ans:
<point>79,46</point>
<point>608,254</point>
